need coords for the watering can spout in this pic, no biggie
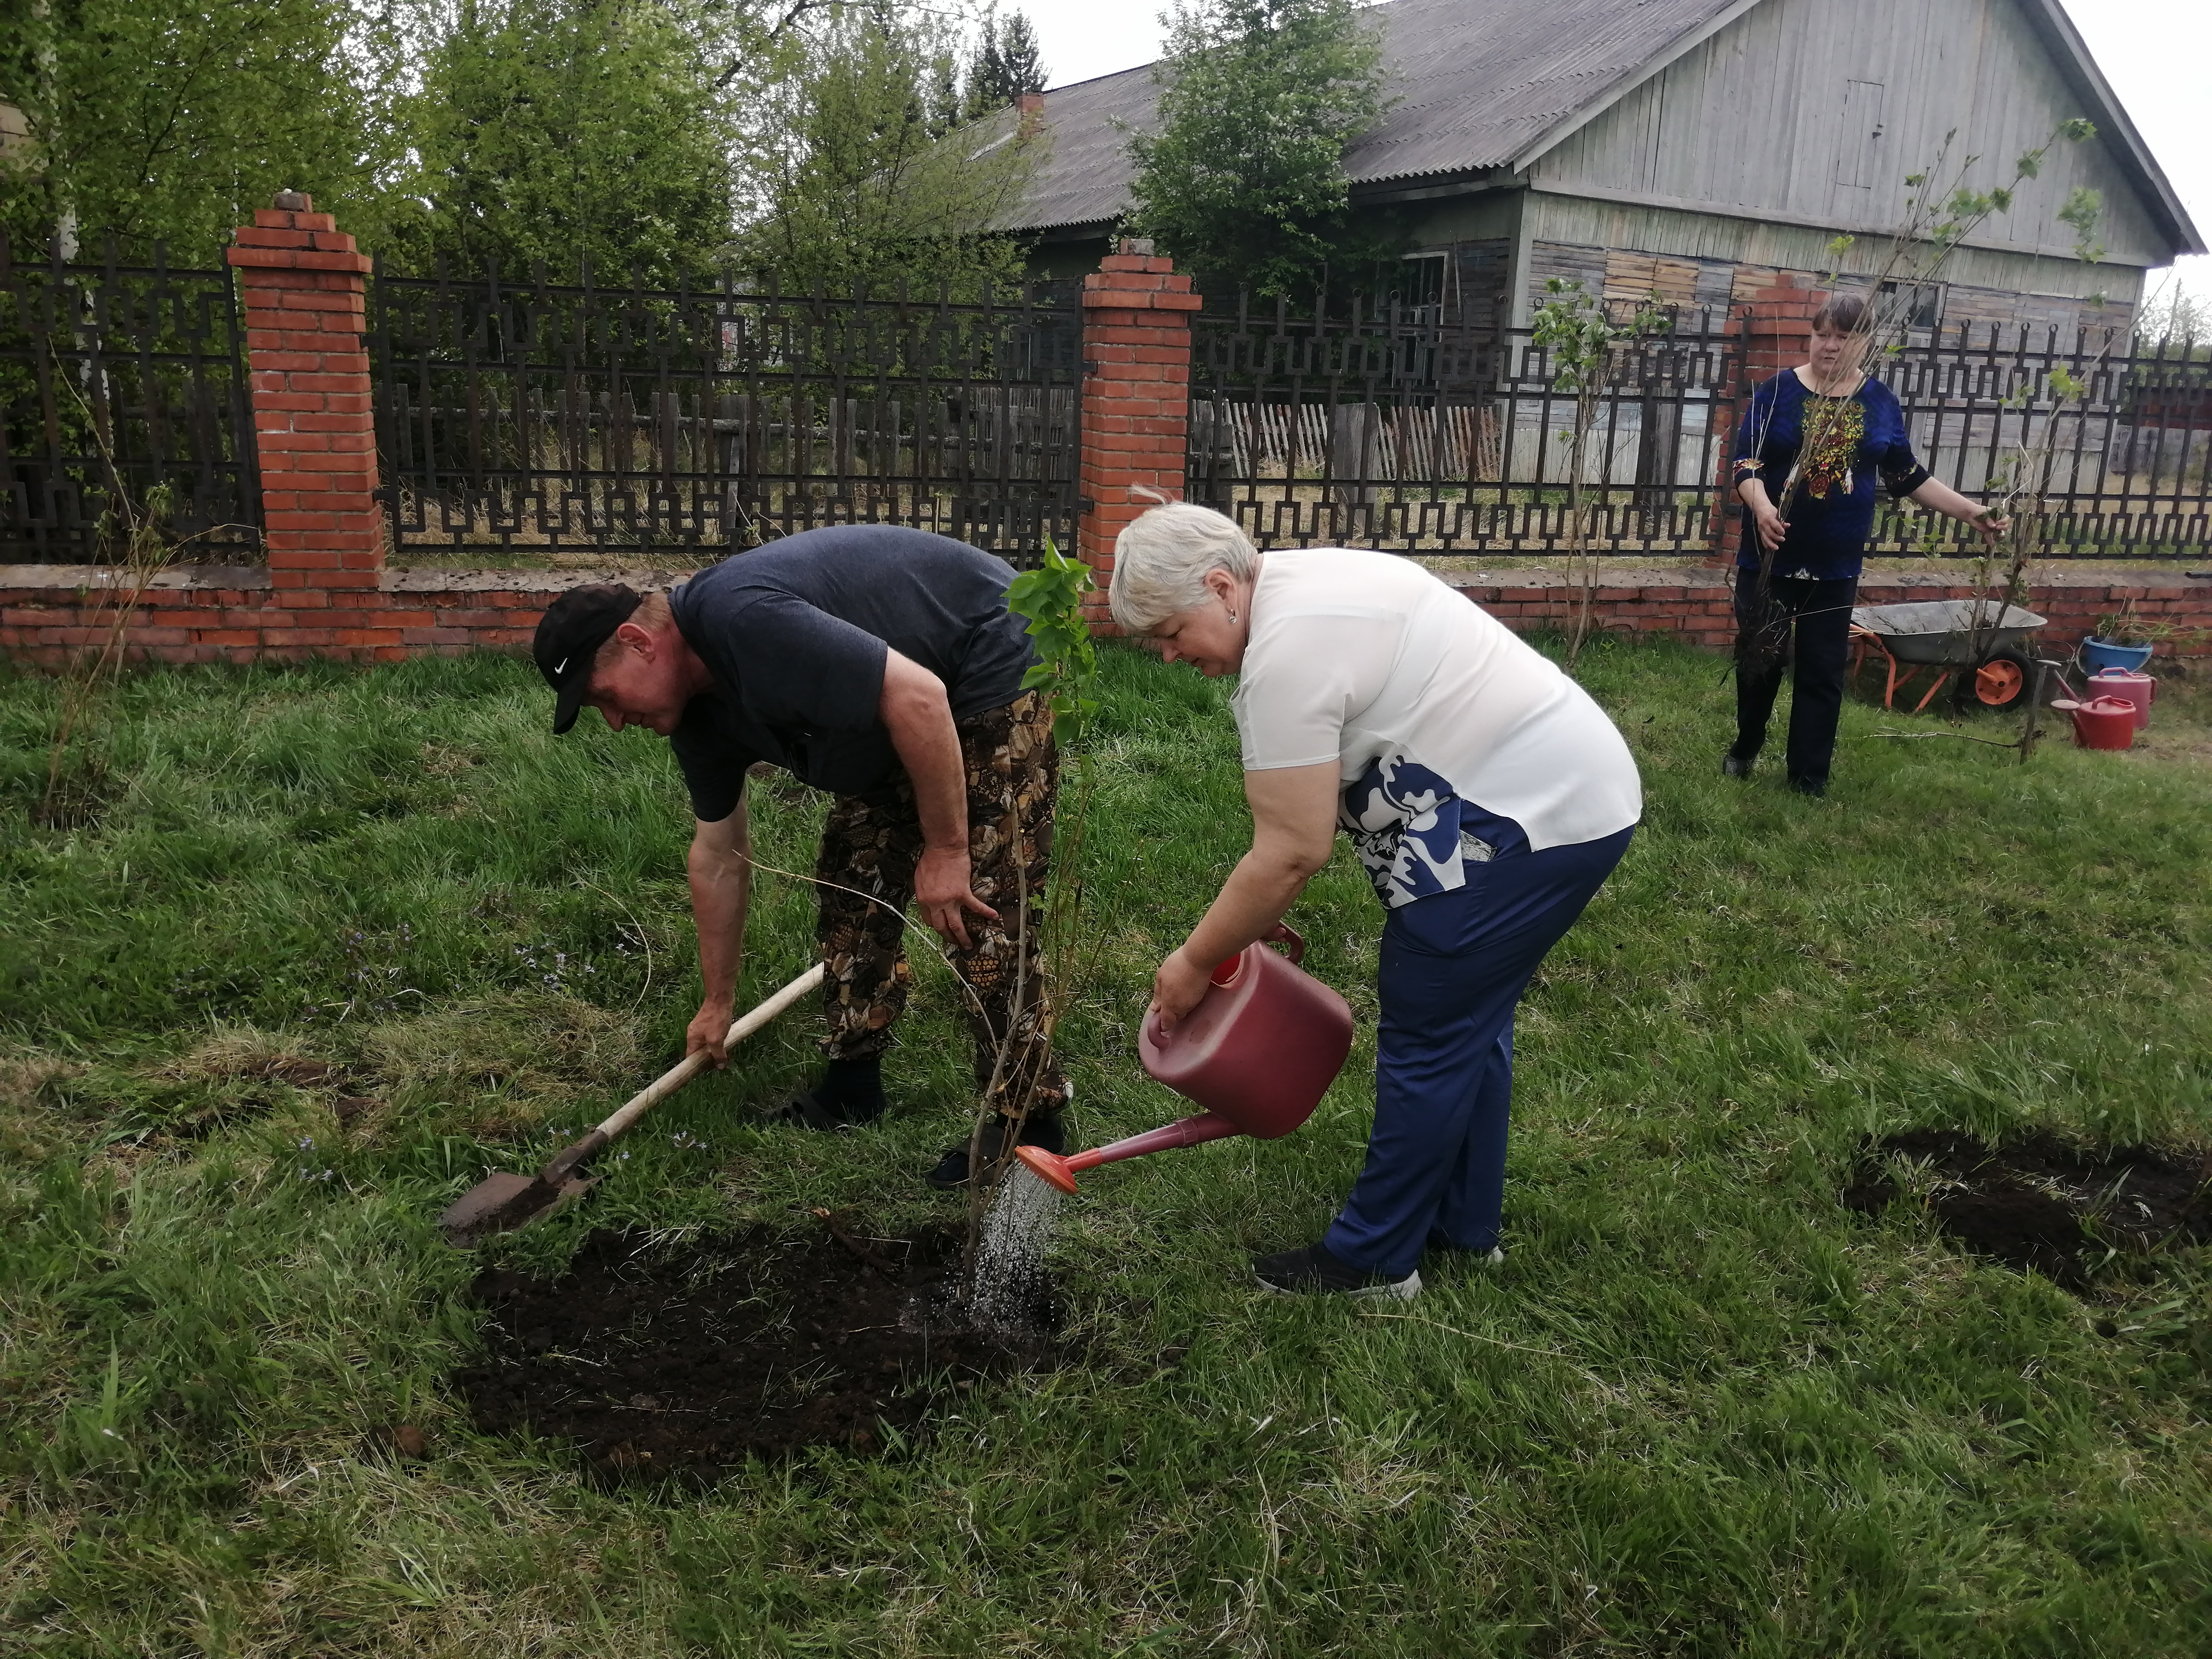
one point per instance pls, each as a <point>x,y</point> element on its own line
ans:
<point>1262,1045</point>
<point>1184,1132</point>
<point>1047,1166</point>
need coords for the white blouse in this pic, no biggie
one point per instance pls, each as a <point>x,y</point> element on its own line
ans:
<point>1425,700</point>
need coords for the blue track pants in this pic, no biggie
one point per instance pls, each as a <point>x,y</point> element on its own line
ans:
<point>1454,966</point>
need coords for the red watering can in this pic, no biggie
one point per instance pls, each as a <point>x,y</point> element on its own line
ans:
<point>2128,685</point>
<point>1258,1052</point>
<point>2100,723</point>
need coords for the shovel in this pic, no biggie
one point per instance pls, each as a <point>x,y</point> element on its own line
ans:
<point>500,1202</point>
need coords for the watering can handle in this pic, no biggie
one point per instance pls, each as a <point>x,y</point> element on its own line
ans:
<point>1281,933</point>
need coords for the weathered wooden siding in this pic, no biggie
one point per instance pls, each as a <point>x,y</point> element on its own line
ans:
<point>1626,280</point>
<point>1815,113</point>
<point>1566,221</point>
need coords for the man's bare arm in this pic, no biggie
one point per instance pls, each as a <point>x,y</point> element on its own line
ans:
<point>918,715</point>
<point>721,871</point>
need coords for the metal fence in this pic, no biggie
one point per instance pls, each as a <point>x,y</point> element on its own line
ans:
<point>537,417</point>
<point>1391,427</point>
<point>2107,434</point>
<point>122,378</point>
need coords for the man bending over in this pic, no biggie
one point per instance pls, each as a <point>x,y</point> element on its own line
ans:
<point>881,665</point>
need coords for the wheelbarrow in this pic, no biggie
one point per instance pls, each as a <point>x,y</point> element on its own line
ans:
<point>1941,635</point>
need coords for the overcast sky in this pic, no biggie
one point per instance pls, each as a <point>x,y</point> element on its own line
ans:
<point>2152,51</point>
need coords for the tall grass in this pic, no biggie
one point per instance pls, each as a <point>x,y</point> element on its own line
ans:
<point>335,942</point>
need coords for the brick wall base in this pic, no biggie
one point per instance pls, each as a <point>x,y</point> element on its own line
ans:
<point>210,614</point>
<point>234,614</point>
<point>1696,603</point>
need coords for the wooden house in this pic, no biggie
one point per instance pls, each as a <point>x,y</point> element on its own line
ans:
<point>1693,148</point>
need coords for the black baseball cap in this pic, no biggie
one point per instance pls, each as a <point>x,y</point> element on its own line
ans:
<point>570,635</point>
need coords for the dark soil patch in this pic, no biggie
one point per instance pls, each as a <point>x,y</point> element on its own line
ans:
<point>349,1109</point>
<point>661,1361</point>
<point>2039,1203</point>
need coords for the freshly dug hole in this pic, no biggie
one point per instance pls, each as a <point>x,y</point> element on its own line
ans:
<point>2038,1203</point>
<point>685,1360</point>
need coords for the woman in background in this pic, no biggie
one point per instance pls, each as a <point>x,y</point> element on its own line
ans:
<point>1797,579</point>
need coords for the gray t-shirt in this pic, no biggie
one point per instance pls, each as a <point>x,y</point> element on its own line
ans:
<point>795,635</point>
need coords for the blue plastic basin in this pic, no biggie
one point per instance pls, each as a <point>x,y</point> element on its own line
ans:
<point>2103,654</point>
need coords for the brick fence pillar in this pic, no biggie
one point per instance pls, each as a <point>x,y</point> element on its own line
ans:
<point>1136,396</point>
<point>305,311</point>
<point>1774,322</point>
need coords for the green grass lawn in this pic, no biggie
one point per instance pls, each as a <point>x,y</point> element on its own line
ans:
<point>330,943</point>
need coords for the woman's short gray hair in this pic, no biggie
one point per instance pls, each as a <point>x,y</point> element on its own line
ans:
<point>1161,558</point>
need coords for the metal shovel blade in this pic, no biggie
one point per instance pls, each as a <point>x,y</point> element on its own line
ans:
<point>500,1202</point>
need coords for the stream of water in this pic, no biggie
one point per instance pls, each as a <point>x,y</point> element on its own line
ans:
<point>1009,1256</point>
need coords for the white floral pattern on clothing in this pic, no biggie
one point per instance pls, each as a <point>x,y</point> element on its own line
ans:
<point>1404,822</point>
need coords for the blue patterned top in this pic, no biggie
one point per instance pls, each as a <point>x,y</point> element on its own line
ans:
<point>1411,831</point>
<point>1859,439</point>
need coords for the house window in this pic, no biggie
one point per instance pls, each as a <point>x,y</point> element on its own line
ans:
<point>1911,305</point>
<point>1417,284</point>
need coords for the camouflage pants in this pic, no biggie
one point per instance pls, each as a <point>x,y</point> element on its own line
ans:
<point>872,844</point>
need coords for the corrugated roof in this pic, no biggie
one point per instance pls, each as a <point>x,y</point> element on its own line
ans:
<point>1083,171</point>
<point>1489,84</point>
<point>1476,82</point>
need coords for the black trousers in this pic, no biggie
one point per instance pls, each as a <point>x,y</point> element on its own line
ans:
<point>1801,622</point>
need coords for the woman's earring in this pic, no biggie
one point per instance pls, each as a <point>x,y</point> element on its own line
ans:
<point>1232,616</point>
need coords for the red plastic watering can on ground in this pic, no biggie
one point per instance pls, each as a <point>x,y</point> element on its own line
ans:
<point>2100,723</point>
<point>2129,686</point>
<point>1258,1053</point>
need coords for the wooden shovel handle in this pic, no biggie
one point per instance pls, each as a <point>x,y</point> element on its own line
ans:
<point>675,1077</point>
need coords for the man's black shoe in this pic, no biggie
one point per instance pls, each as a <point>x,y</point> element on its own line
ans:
<point>850,1093</point>
<point>1313,1271</point>
<point>1734,765</point>
<point>808,1110</point>
<point>1815,788</point>
<point>951,1170</point>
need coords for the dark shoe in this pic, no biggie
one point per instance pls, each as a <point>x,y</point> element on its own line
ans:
<point>951,1171</point>
<point>850,1093</point>
<point>1734,765</point>
<point>1815,787</point>
<point>808,1110</point>
<point>1313,1271</point>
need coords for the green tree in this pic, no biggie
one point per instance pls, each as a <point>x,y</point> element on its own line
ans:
<point>549,131</point>
<point>1244,181</point>
<point>947,108</point>
<point>848,183</point>
<point>1578,340</point>
<point>1007,63</point>
<point>175,119</point>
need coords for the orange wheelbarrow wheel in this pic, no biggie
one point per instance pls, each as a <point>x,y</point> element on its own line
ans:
<point>2002,681</point>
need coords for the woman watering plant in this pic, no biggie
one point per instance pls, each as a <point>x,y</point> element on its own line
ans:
<point>1820,434</point>
<point>1487,795</point>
